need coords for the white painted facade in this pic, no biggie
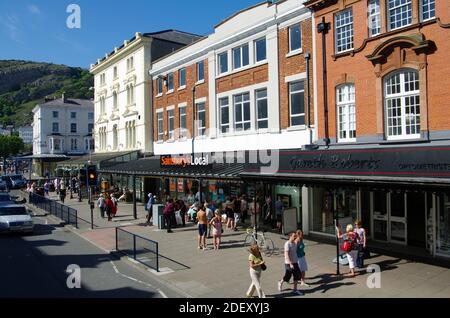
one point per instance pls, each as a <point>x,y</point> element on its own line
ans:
<point>26,133</point>
<point>123,125</point>
<point>53,128</point>
<point>244,28</point>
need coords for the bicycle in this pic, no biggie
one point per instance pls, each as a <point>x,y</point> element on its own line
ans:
<point>265,244</point>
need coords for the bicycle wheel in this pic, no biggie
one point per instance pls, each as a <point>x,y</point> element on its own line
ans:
<point>249,240</point>
<point>266,246</point>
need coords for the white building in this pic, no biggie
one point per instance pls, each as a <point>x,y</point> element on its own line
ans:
<point>26,133</point>
<point>63,127</point>
<point>123,91</point>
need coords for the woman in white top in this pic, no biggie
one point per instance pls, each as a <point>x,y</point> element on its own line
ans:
<point>362,242</point>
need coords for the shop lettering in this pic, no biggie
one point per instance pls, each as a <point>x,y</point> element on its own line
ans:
<point>184,161</point>
<point>335,162</point>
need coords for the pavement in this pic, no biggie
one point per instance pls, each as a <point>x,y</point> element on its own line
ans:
<point>224,273</point>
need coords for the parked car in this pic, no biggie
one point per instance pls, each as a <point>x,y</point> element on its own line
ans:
<point>15,218</point>
<point>18,181</point>
<point>5,199</point>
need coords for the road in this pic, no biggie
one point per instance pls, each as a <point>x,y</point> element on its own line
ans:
<point>34,266</point>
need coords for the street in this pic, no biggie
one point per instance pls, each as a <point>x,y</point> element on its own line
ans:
<point>34,266</point>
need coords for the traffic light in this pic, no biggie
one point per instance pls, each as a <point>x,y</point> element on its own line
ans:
<point>82,176</point>
<point>92,175</point>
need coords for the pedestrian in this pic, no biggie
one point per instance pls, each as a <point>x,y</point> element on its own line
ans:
<point>257,265</point>
<point>149,207</point>
<point>183,211</point>
<point>230,214</point>
<point>62,192</point>
<point>302,264</point>
<point>216,223</point>
<point>108,207</point>
<point>202,228</point>
<point>168,211</point>
<point>350,247</point>
<point>46,188</point>
<point>244,208</point>
<point>237,212</point>
<point>279,210</point>
<point>291,264</point>
<point>101,205</point>
<point>192,213</point>
<point>362,243</point>
<point>255,212</point>
<point>209,217</point>
<point>115,205</point>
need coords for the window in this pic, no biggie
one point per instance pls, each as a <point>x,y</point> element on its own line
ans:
<point>201,119</point>
<point>402,103</point>
<point>428,9</point>
<point>90,116</point>
<point>223,63</point>
<point>170,82</point>
<point>90,128</point>
<point>74,144</point>
<point>73,115</point>
<point>295,38</point>
<point>159,85</point>
<point>102,79</point>
<point>115,138</point>
<point>115,103</point>
<point>160,127</point>
<point>73,128</point>
<point>200,71</point>
<point>171,122</point>
<point>344,31</point>
<point>261,109</point>
<point>182,78</point>
<point>346,113</point>
<point>224,108</point>
<point>260,50</point>
<point>56,144</point>
<point>115,72</point>
<point>240,56</point>
<point>55,114</point>
<point>102,106</point>
<point>130,64</point>
<point>55,128</point>
<point>399,13</point>
<point>242,120</point>
<point>130,95</point>
<point>297,103</point>
<point>373,12</point>
<point>183,122</point>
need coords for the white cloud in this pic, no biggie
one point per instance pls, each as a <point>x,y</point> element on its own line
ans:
<point>34,9</point>
<point>11,25</point>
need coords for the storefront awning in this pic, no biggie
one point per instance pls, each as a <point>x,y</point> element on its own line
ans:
<point>151,167</point>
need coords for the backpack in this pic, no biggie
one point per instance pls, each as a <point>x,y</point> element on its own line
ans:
<point>349,243</point>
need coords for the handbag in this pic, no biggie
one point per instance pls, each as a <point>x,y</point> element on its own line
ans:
<point>263,267</point>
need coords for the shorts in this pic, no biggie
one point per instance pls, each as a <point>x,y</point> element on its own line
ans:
<point>292,272</point>
<point>202,228</point>
<point>351,257</point>
<point>302,264</point>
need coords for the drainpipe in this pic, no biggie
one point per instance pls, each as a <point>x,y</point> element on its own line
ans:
<point>308,96</point>
<point>323,28</point>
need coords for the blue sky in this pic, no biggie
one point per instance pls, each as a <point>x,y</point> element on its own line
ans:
<point>37,31</point>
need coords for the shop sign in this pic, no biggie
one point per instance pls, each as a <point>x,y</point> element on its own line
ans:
<point>180,185</point>
<point>173,185</point>
<point>184,161</point>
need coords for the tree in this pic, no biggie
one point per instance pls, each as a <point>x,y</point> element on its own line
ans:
<point>10,146</point>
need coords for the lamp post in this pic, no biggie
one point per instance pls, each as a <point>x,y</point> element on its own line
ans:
<point>336,223</point>
<point>323,27</point>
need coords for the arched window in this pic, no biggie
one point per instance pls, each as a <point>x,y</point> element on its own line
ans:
<point>402,105</point>
<point>346,113</point>
<point>115,104</point>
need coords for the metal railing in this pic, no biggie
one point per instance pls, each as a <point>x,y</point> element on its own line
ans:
<point>67,214</point>
<point>142,250</point>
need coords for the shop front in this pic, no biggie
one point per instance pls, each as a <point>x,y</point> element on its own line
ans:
<point>400,194</point>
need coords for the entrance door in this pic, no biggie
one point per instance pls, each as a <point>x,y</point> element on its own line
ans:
<point>389,217</point>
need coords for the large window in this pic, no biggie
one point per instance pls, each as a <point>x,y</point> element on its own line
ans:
<point>345,96</point>
<point>224,109</point>
<point>295,38</point>
<point>57,144</point>
<point>160,127</point>
<point>73,115</point>
<point>115,74</point>
<point>223,62</point>
<point>373,12</point>
<point>182,78</point>
<point>241,56</point>
<point>183,122</point>
<point>261,109</point>
<point>74,144</point>
<point>428,9</point>
<point>130,95</point>
<point>115,103</point>
<point>170,82</point>
<point>297,103</point>
<point>90,116</point>
<point>102,106</point>
<point>260,50</point>
<point>201,119</point>
<point>171,123</point>
<point>200,71</point>
<point>55,128</point>
<point>402,103</point>
<point>399,13</point>
<point>344,31</point>
<point>55,114</point>
<point>242,117</point>
<point>159,86</point>
<point>73,128</point>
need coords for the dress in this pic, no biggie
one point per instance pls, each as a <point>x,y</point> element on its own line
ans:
<point>217,228</point>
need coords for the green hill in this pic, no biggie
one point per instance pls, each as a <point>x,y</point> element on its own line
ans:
<point>24,84</point>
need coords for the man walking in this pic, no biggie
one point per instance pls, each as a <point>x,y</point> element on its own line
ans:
<point>168,211</point>
<point>291,264</point>
<point>101,205</point>
<point>202,228</point>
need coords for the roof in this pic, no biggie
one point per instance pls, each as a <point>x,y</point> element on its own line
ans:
<point>268,2</point>
<point>151,167</point>
<point>96,157</point>
<point>174,36</point>
<point>69,102</point>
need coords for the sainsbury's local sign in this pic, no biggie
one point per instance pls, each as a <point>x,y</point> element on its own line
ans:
<point>184,161</point>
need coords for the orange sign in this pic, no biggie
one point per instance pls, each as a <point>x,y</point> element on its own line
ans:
<point>173,185</point>
<point>180,186</point>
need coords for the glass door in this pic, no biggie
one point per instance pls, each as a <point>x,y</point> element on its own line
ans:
<point>443,226</point>
<point>379,216</point>
<point>397,218</point>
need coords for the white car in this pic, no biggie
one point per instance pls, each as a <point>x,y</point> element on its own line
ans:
<point>15,218</point>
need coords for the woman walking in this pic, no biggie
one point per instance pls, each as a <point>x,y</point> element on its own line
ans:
<point>362,242</point>
<point>349,246</point>
<point>216,223</point>
<point>302,264</point>
<point>256,264</point>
